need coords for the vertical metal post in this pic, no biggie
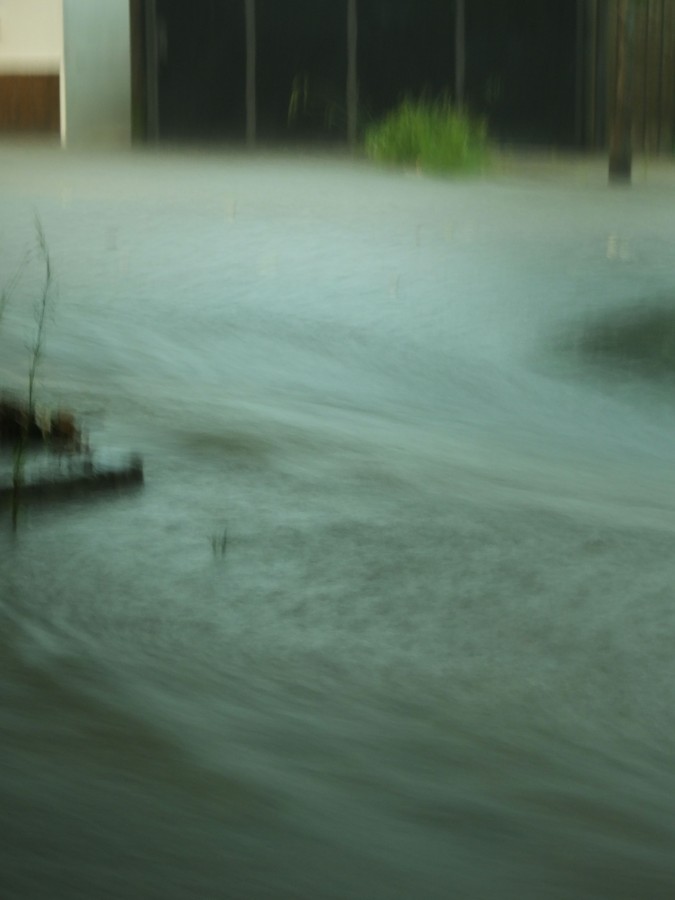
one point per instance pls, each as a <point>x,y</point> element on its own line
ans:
<point>249,12</point>
<point>581,80</point>
<point>460,51</point>
<point>352,75</point>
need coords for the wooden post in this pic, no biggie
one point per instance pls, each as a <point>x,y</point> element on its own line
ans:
<point>352,75</point>
<point>249,11</point>
<point>460,51</point>
<point>621,127</point>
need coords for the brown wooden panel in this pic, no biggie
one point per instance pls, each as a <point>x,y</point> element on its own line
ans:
<point>29,103</point>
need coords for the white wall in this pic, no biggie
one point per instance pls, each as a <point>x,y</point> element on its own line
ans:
<point>31,36</point>
<point>97,71</point>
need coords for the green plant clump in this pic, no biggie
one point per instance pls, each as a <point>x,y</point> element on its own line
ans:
<point>434,136</point>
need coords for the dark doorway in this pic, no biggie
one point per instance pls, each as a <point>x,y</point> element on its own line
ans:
<point>201,69</point>
<point>522,66</point>
<point>198,50</point>
<point>406,49</point>
<point>302,69</point>
<point>521,62</point>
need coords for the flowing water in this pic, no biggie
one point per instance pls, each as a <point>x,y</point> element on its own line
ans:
<point>393,614</point>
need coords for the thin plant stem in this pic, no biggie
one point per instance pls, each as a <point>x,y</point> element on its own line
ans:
<point>36,355</point>
<point>40,314</point>
<point>219,544</point>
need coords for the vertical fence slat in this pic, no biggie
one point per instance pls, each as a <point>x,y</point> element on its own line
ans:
<point>594,104</point>
<point>612,39</point>
<point>603,75</point>
<point>667,106</point>
<point>653,74</point>
<point>639,74</point>
<point>659,97</point>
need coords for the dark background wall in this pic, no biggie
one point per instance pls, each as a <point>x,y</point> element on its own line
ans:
<point>520,64</point>
<point>201,58</point>
<point>301,47</point>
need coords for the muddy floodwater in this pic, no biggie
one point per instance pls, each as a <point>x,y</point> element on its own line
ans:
<point>393,615</point>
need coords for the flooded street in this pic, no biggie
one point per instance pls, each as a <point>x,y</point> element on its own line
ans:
<point>392,617</point>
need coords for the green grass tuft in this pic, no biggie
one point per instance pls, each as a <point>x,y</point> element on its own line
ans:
<point>432,135</point>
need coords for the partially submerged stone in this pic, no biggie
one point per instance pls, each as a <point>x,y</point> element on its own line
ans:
<point>56,460</point>
<point>48,475</point>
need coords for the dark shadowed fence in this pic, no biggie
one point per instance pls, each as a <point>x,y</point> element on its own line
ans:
<point>654,73</point>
